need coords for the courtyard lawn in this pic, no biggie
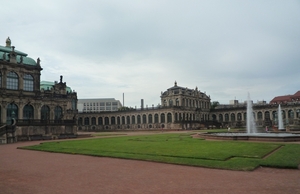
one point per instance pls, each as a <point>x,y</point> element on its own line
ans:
<point>183,149</point>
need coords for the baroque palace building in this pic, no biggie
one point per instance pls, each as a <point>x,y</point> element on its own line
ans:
<point>30,109</point>
<point>181,108</point>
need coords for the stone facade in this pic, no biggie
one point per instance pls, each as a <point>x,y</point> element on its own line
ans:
<point>37,112</point>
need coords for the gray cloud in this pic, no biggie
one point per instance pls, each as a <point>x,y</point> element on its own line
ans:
<point>105,48</point>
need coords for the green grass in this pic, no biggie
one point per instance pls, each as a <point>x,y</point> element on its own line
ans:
<point>182,149</point>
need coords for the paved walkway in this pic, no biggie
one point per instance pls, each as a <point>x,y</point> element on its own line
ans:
<point>33,172</point>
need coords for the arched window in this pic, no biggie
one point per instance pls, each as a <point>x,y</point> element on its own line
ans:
<point>267,115</point>
<point>12,81</point>
<point>259,115</point>
<point>139,119</point>
<point>170,102</point>
<point>226,117</point>
<point>150,118</point>
<point>220,118</point>
<point>290,114</point>
<point>133,119</point>
<point>169,118</point>
<point>144,119</point>
<point>113,120</point>
<point>106,121</point>
<point>80,121</point>
<point>86,121</point>
<point>128,120</point>
<point>118,120</point>
<point>57,113</point>
<point>176,116</point>
<point>123,120</point>
<point>156,118</point>
<point>11,113</point>
<point>28,82</point>
<point>232,117</point>
<point>45,112</point>
<point>93,120</point>
<point>177,102</point>
<point>239,116</point>
<point>162,118</point>
<point>274,115</point>
<point>28,112</point>
<point>100,121</point>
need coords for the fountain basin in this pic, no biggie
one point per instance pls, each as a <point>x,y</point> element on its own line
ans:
<point>268,137</point>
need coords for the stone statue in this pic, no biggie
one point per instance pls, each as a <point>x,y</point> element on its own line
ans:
<point>38,61</point>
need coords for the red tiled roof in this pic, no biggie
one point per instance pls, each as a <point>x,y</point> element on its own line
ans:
<point>287,98</point>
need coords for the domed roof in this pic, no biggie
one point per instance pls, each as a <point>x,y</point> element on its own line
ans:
<point>21,57</point>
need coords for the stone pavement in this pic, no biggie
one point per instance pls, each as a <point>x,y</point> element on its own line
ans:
<point>34,172</point>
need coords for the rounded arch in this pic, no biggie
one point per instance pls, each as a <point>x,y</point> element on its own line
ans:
<point>93,120</point>
<point>28,82</point>
<point>144,119</point>
<point>12,112</point>
<point>45,112</point>
<point>100,121</point>
<point>28,112</point>
<point>162,118</point>
<point>127,119</point>
<point>232,117</point>
<point>150,119</point>
<point>156,118</point>
<point>113,120</point>
<point>80,121</point>
<point>86,121</point>
<point>220,118</point>
<point>106,121</point>
<point>169,118</point>
<point>58,113</point>
<point>12,81</point>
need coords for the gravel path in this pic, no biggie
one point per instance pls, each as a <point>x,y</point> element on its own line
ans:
<point>34,172</point>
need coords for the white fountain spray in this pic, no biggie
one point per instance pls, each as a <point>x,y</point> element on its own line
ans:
<point>251,128</point>
<point>280,120</point>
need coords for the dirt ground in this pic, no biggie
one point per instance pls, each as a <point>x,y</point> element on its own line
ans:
<point>34,172</point>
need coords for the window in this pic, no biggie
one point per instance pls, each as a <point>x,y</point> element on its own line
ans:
<point>0,80</point>
<point>150,118</point>
<point>93,121</point>
<point>139,119</point>
<point>106,121</point>
<point>45,113</point>
<point>27,112</point>
<point>156,118</point>
<point>57,113</point>
<point>11,112</point>
<point>100,121</point>
<point>86,121</point>
<point>12,81</point>
<point>28,82</point>
<point>169,118</point>
<point>162,118</point>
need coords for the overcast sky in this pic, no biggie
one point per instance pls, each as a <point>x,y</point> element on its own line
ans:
<point>139,48</point>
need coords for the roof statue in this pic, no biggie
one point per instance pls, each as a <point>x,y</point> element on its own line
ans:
<point>8,42</point>
<point>175,84</point>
